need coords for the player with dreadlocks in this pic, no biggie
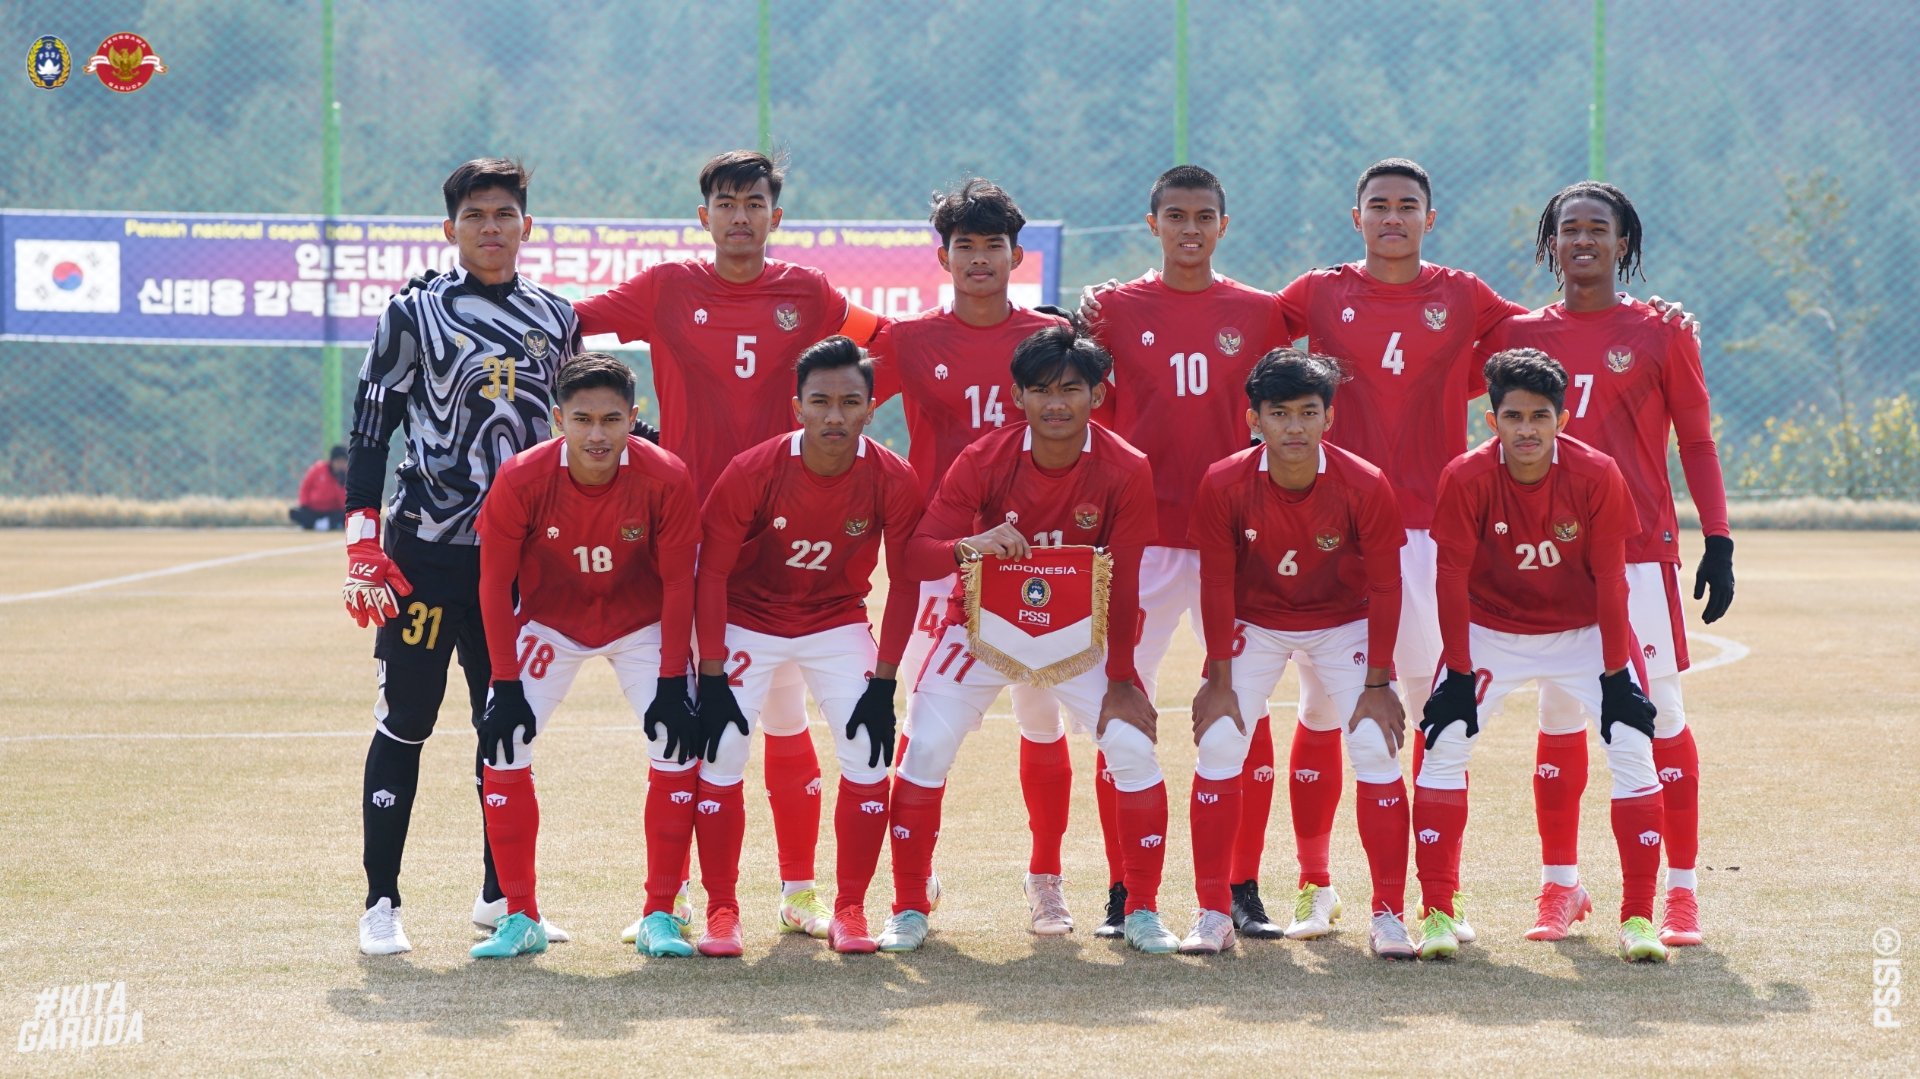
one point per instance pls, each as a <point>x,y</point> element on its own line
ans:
<point>1632,379</point>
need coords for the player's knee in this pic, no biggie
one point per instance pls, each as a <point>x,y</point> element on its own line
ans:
<point>1222,751</point>
<point>1130,757</point>
<point>1373,759</point>
<point>1444,767</point>
<point>405,711</point>
<point>854,752</point>
<point>785,712</point>
<point>939,725</point>
<point>1665,695</point>
<point>1630,759</point>
<point>729,765</point>
<point>1038,715</point>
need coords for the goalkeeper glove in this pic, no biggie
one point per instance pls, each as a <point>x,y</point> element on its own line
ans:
<point>1714,577</point>
<point>671,709</point>
<point>419,281</point>
<point>1453,702</point>
<point>507,711</point>
<point>874,711</point>
<point>372,579</point>
<point>1622,702</point>
<point>718,710</point>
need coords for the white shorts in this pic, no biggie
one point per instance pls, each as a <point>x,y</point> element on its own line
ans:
<point>1653,609</point>
<point>1416,652</point>
<point>834,664</point>
<point>553,661</point>
<point>1169,588</point>
<point>1035,709</point>
<point>1334,661</point>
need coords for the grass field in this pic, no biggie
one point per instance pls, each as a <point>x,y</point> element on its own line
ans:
<point>180,760</point>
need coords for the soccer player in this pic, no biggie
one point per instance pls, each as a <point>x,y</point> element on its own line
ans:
<point>1183,339</point>
<point>466,364</point>
<point>723,337</point>
<point>1056,479</point>
<point>1532,529</point>
<point>596,530</point>
<point>1634,379</point>
<point>792,535</point>
<point>1299,555</point>
<point>949,366</point>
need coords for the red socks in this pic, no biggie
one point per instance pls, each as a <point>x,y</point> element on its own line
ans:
<point>793,788</point>
<point>1677,760</point>
<point>513,829</point>
<point>916,826</point>
<point>859,830</point>
<point>1256,804</point>
<point>669,828</point>
<point>720,821</point>
<point>1637,823</point>
<point>1313,788</point>
<point>1107,797</point>
<point>1143,842</point>
<point>1439,824</point>
<point>1213,816</point>
<point>1046,781</point>
<point>1384,817</point>
<point>1559,779</point>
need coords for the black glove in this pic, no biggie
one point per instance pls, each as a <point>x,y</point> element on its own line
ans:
<point>1453,702</point>
<point>874,711</point>
<point>1622,702</point>
<point>671,709</point>
<point>507,711</point>
<point>646,430</point>
<point>1714,577</point>
<point>1060,312</point>
<point>717,709</point>
<point>419,281</point>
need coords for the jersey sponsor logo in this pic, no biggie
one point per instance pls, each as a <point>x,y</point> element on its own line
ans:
<point>553,531</point>
<point>1252,535</point>
<point>1327,541</point>
<point>699,316</point>
<point>382,799</point>
<point>680,798</point>
<point>1263,774</point>
<point>633,531</point>
<point>1428,835</point>
<point>1346,314</point>
<point>779,522</point>
<point>1305,775</point>
<point>1649,838</point>
<point>1619,359</point>
<point>1566,529</point>
<point>1359,659</point>
<point>1146,337</point>
<point>1436,316</point>
<point>537,343</point>
<point>48,62</point>
<point>1548,771</point>
<point>125,62</point>
<point>940,371</point>
<point>1086,515</point>
<point>1229,340</point>
<point>1036,592</point>
<point>1649,651</point>
<point>1151,841</point>
<point>496,799</point>
<point>857,526</point>
<point>813,786</point>
<point>1499,528</point>
<point>1671,775</point>
<point>709,807</point>
<point>788,316</point>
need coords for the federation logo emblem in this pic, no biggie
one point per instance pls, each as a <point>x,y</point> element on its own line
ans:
<point>1499,528</point>
<point>1566,530</point>
<point>48,63</point>
<point>1229,341</point>
<point>699,316</point>
<point>940,371</point>
<point>1036,592</point>
<point>537,343</point>
<point>1619,359</point>
<point>1327,541</point>
<point>1086,515</point>
<point>1252,535</point>
<point>553,532</point>
<point>858,525</point>
<point>779,522</point>
<point>632,532</point>
<point>1146,338</point>
<point>1346,315</point>
<point>1436,316</point>
<point>125,62</point>
<point>788,316</point>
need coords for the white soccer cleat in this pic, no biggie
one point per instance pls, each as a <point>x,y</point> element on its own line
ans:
<point>1315,909</point>
<point>1462,932</point>
<point>1047,905</point>
<point>380,930</point>
<point>486,916</point>
<point>1388,938</point>
<point>1212,934</point>
<point>933,891</point>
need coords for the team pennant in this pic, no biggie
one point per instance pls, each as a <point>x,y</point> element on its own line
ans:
<point>1040,619</point>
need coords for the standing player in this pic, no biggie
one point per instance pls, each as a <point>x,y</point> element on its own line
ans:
<point>1183,339</point>
<point>1532,530</point>
<point>1634,379</point>
<point>466,364</point>
<point>1057,479</point>
<point>1299,554</point>
<point>596,532</point>
<point>949,367</point>
<point>792,536</point>
<point>723,337</point>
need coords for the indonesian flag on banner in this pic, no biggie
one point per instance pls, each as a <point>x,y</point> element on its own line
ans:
<point>66,275</point>
<point>1040,619</point>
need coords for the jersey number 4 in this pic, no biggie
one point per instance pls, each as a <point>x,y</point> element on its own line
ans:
<point>1393,359</point>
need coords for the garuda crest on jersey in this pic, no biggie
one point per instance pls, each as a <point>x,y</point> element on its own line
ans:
<point>1327,541</point>
<point>1436,316</point>
<point>1086,515</point>
<point>1619,359</point>
<point>537,343</point>
<point>633,531</point>
<point>1229,340</point>
<point>1566,529</point>
<point>787,315</point>
<point>857,526</point>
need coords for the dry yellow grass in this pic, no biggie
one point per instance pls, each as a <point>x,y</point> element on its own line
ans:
<point>217,875</point>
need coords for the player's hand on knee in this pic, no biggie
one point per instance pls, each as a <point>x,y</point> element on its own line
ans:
<point>1714,577</point>
<point>672,710</point>
<point>1381,706</point>
<point>874,711</point>
<point>507,712</point>
<point>717,710</point>
<point>1126,702</point>
<point>373,581</point>
<point>1216,701</point>
<point>1454,701</point>
<point>1622,702</point>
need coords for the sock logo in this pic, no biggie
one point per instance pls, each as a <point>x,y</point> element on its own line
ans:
<point>1150,841</point>
<point>872,807</point>
<point>1305,775</point>
<point>1548,771</point>
<point>813,788</point>
<point>1205,798</point>
<point>680,798</point>
<point>709,806</point>
<point>1106,776</point>
<point>1649,838</point>
<point>900,831</point>
<point>1388,803</point>
<point>496,799</point>
<point>1263,774</point>
<point>382,799</point>
<point>1671,775</point>
<point>1428,835</point>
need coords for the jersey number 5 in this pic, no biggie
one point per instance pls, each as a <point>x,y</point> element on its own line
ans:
<point>743,352</point>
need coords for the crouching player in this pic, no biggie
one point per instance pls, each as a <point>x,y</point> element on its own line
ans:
<point>1055,480</point>
<point>1531,530</point>
<point>1299,554</point>
<point>597,528</point>
<point>791,538</point>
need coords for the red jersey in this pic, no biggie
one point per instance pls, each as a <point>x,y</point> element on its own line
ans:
<point>954,381</point>
<point>1409,350</point>
<point>1180,366</point>
<point>593,563</point>
<point>1105,499</point>
<point>722,353</point>
<point>788,552</point>
<point>320,491</point>
<point>1544,557</point>
<point>1631,379</point>
<point>1298,560</point>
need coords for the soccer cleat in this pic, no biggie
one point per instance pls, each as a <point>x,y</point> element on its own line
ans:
<point>1387,937</point>
<point>1212,934</point>
<point>802,912</point>
<point>662,936</point>
<point>380,931</point>
<point>682,912</point>
<point>1250,914</point>
<point>1638,943</point>
<point>904,932</point>
<point>933,891</point>
<point>1115,926</point>
<point>1315,909</point>
<point>1462,932</point>
<point>847,933</point>
<point>722,937</point>
<point>1680,926</point>
<point>1147,933</point>
<point>1047,905</point>
<point>1439,937</point>
<point>1560,907</point>
<point>516,934</point>
<point>487,915</point>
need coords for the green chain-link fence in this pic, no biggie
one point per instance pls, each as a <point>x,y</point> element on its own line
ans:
<point>1764,143</point>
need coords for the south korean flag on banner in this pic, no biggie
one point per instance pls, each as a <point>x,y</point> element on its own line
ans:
<point>1040,619</point>
<point>66,275</point>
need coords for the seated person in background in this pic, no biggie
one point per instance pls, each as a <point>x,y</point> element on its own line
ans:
<point>323,494</point>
